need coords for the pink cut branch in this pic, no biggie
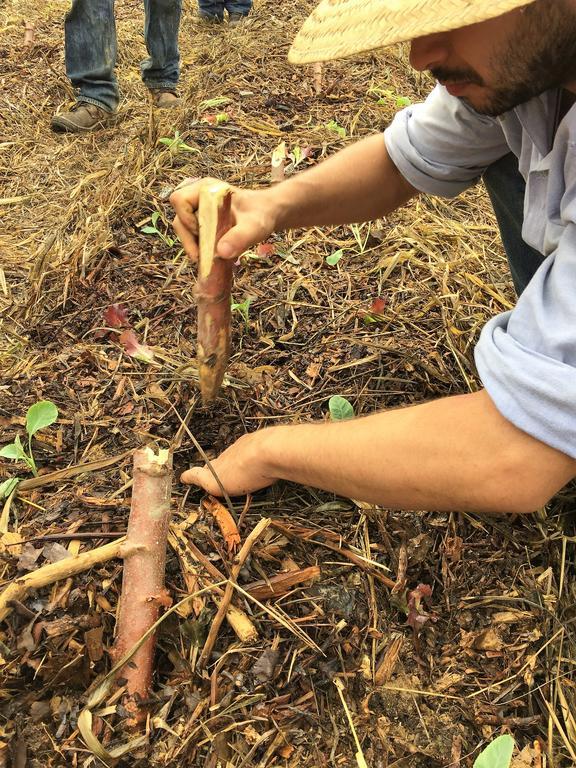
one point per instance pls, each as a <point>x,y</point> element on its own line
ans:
<point>143,590</point>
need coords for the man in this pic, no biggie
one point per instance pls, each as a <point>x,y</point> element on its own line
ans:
<point>90,48</point>
<point>507,75</point>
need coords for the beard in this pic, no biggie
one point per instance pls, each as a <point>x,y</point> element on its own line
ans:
<point>540,55</point>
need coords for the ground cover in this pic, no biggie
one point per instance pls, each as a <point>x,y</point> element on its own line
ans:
<point>383,314</point>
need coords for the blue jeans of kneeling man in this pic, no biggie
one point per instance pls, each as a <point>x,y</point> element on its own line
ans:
<point>215,8</point>
<point>506,188</point>
<point>90,47</point>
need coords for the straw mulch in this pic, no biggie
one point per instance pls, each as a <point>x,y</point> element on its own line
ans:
<point>495,654</point>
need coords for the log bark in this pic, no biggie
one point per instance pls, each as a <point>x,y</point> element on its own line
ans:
<point>213,292</point>
<point>143,590</point>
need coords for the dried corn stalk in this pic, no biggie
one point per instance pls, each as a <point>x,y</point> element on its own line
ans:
<point>213,292</point>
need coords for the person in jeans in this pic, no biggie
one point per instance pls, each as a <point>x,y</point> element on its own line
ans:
<point>503,110</point>
<point>213,10</point>
<point>90,49</point>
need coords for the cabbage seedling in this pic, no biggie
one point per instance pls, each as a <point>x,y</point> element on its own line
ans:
<point>38,416</point>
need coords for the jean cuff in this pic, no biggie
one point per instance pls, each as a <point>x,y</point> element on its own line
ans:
<point>160,85</point>
<point>88,100</point>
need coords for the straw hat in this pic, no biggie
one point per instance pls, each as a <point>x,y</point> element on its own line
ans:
<point>338,28</point>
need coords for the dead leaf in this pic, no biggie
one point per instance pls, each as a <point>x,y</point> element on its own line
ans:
<point>263,669</point>
<point>417,616</point>
<point>378,305</point>
<point>265,249</point>
<point>93,640</point>
<point>116,316</point>
<point>55,552</point>
<point>132,347</point>
<point>529,757</point>
<point>28,558</point>
<point>486,640</point>
<point>225,522</point>
<point>11,543</point>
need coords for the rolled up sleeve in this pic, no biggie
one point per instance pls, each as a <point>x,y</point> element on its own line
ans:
<point>442,146</point>
<point>526,358</point>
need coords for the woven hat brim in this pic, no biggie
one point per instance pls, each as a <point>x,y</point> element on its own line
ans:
<point>340,28</point>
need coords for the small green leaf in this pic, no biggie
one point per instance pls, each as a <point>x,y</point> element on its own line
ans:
<point>167,142</point>
<point>40,415</point>
<point>333,126</point>
<point>498,754</point>
<point>340,408</point>
<point>11,451</point>
<point>8,486</point>
<point>149,230</point>
<point>335,257</point>
<point>154,218</point>
<point>243,308</point>
<point>403,101</point>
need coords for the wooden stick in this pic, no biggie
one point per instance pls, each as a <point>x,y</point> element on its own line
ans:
<point>229,591</point>
<point>309,534</point>
<point>279,585</point>
<point>214,289</point>
<point>243,627</point>
<point>143,590</point>
<point>53,572</point>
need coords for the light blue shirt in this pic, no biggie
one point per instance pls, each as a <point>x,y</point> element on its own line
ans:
<point>526,358</point>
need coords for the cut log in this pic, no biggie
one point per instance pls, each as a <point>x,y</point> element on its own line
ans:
<point>214,289</point>
<point>143,590</point>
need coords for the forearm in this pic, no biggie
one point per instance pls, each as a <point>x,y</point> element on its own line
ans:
<point>450,454</point>
<point>360,183</point>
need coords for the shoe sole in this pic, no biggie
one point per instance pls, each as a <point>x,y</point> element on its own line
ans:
<point>62,125</point>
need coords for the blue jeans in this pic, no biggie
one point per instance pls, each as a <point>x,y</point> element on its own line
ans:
<point>90,45</point>
<point>215,8</point>
<point>506,188</point>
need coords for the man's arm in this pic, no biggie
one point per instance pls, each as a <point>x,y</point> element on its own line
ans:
<point>359,183</point>
<point>457,453</point>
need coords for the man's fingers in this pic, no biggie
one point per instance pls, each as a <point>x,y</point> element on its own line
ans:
<point>188,240</point>
<point>237,240</point>
<point>203,477</point>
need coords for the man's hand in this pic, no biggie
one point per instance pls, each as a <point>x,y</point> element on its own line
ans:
<point>241,469</point>
<point>254,219</point>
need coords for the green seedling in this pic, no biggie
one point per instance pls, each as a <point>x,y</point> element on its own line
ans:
<point>176,144</point>
<point>335,128</point>
<point>498,754</point>
<point>335,257</point>
<point>243,308</point>
<point>359,236</point>
<point>38,416</point>
<point>8,486</point>
<point>153,230</point>
<point>385,96</point>
<point>340,409</point>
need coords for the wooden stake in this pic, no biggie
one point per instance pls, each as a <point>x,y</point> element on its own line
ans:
<point>143,590</point>
<point>213,292</point>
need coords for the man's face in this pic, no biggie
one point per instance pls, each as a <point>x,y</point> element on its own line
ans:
<point>500,63</point>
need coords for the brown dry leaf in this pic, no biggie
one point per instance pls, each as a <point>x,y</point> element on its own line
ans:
<point>526,759</point>
<point>94,646</point>
<point>487,640</point>
<point>263,669</point>
<point>227,526</point>
<point>55,552</point>
<point>11,543</point>
<point>28,558</point>
<point>510,617</point>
